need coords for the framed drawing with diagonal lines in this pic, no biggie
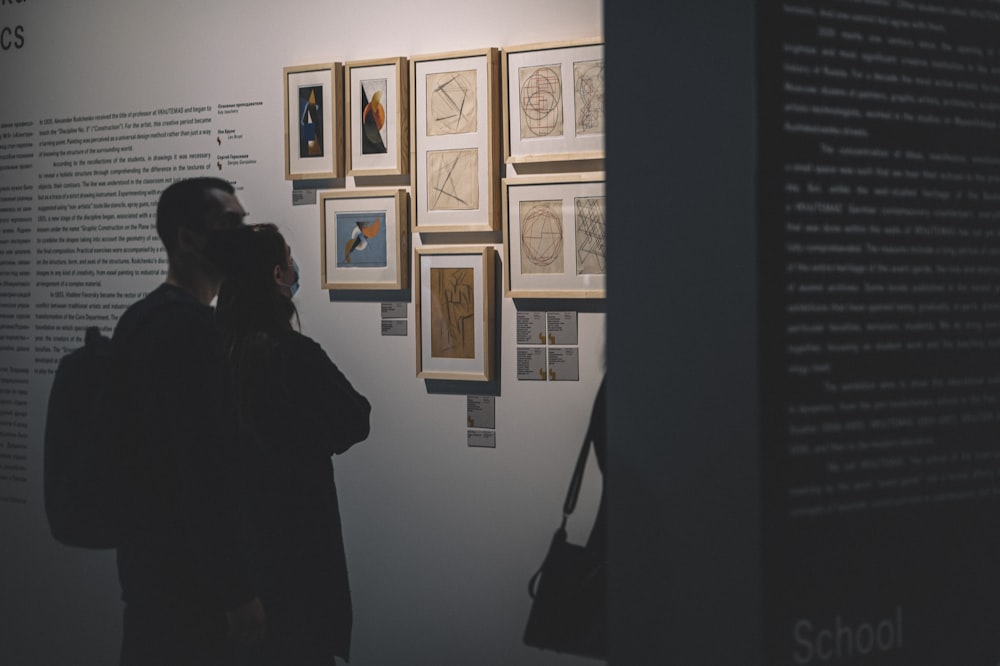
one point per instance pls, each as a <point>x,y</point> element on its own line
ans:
<point>553,95</point>
<point>554,236</point>
<point>454,117</point>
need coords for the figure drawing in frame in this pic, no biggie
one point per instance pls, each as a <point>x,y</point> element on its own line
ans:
<point>541,237</point>
<point>310,121</point>
<point>541,101</point>
<point>361,239</point>
<point>373,116</point>
<point>451,103</point>
<point>453,179</point>
<point>590,238</point>
<point>453,313</point>
<point>588,88</point>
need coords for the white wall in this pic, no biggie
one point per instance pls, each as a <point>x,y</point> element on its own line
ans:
<point>441,539</point>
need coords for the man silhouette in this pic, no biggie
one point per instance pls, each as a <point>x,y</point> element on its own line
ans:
<point>184,565</point>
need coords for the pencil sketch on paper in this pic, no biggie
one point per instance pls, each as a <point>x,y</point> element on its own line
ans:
<point>310,121</point>
<point>590,245</point>
<point>453,313</point>
<point>541,101</point>
<point>588,88</point>
<point>373,130</point>
<point>451,103</point>
<point>453,179</point>
<point>362,239</point>
<point>541,237</point>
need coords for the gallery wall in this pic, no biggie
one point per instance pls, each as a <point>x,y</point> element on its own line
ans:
<point>441,537</point>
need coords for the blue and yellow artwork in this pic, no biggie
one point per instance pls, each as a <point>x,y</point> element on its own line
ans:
<point>361,239</point>
<point>310,121</point>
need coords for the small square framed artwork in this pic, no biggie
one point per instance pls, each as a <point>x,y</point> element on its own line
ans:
<point>455,121</point>
<point>314,121</point>
<point>376,109</point>
<point>364,238</point>
<point>554,236</point>
<point>553,94</point>
<point>455,312</point>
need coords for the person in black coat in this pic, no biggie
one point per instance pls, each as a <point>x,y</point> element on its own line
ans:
<point>184,560</point>
<point>296,409</point>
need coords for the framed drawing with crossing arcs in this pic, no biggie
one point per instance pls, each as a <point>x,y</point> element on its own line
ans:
<point>553,95</point>
<point>554,236</point>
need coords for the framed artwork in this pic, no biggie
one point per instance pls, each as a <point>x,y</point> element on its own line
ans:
<point>314,122</point>
<point>455,121</point>
<point>455,312</point>
<point>554,236</point>
<point>554,97</point>
<point>377,135</point>
<point>364,239</point>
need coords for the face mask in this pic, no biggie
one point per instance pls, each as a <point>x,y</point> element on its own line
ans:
<point>294,286</point>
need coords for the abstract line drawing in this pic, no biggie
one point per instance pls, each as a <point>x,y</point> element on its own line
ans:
<point>373,131</point>
<point>453,179</point>
<point>588,87</point>
<point>451,103</point>
<point>453,320</point>
<point>541,237</point>
<point>310,121</point>
<point>541,101</point>
<point>361,237</point>
<point>590,239</point>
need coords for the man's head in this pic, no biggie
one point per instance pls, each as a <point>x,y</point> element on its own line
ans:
<point>201,205</point>
<point>190,215</point>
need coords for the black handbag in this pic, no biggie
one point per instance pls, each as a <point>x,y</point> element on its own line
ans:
<point>569,591</point>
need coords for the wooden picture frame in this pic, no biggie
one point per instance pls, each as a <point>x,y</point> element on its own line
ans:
<point>377,143</point>
<point>554,236</point>
<point>455,124</point>
<point>314,121</point>
<point>553,95</point>
<point>364,239</point>
<point>455,312</point>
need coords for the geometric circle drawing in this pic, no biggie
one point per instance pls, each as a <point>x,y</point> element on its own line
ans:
<point>541,101</point>
<point>541,237</point>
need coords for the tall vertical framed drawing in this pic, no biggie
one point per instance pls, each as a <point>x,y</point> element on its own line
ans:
<point>455,121</point>
<point>455,307</point>
<point>554,236</point>
<point>364,239</point>
<point>314,121</point>
<point>553,95</point>
<point>377,135</point>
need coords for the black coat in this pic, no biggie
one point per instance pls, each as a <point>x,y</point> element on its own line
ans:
<point>186,557</point>
<point>303,411</point>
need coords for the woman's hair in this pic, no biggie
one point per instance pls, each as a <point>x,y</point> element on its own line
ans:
<point>251,310</point>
